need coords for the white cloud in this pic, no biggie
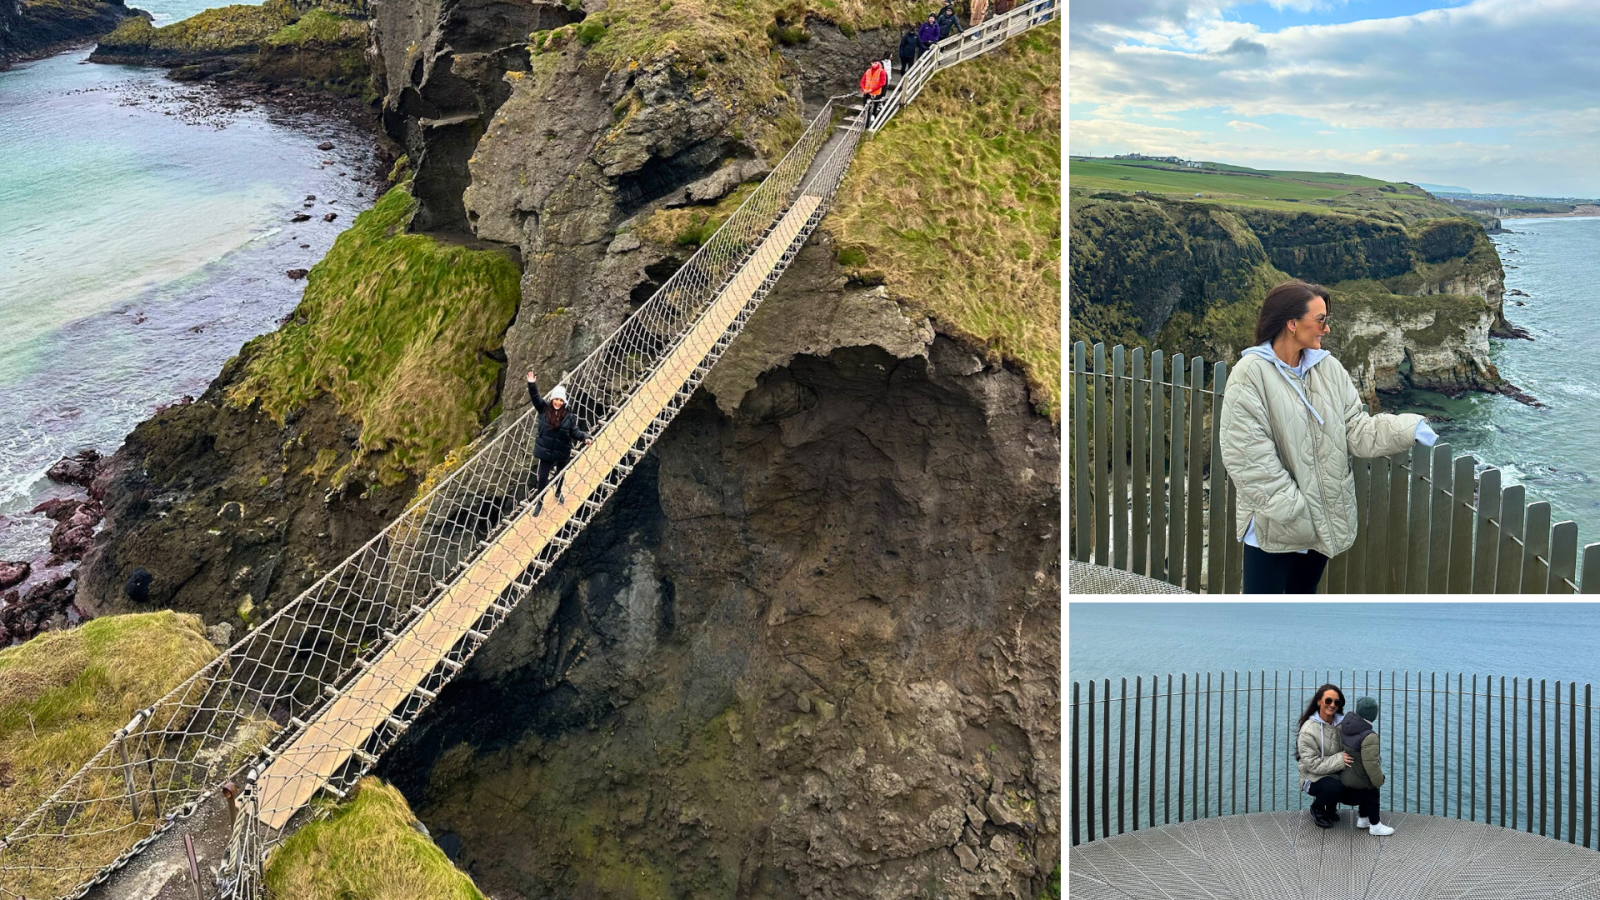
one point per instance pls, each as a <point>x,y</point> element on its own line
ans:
<point>1237,125</point>
<point>1445,68</point>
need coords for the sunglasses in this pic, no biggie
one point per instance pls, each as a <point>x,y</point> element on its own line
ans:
<point>1330,701</point>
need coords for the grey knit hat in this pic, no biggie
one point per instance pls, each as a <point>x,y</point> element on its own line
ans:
<point>558,393</point>
<point>1367,708</point>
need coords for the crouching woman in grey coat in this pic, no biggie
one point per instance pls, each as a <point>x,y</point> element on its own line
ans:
<point>1291,417</point>
<point>1320,755</point>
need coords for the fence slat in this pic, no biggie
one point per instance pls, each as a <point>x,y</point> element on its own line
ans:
<point>1175,479</point>
<point>1074,800</point>
<point>1590,583</point>
<point>1418,506</point>
<point>1198,446</point>
<point>1563,557</point>
<point>1356,556</point>
<point>1486,537</point>
<point>1463,486</point>
<point>1376,521</point>
<point>1217,503</point>
<point>1439,520</point>
<point>1138,701</point>
<point>1508,575</point>
<point>1122,752</point>
<point>1235,582</point>
<point>1119,462</point>
<point>1089,770</point>
<point>1102,455</point>
<point>1158,467</point>
<point>1399,520</point>
<point>1333,577</point>
<point>1141,473</point>
<point>1080,456</point>
<point>1536,555</point>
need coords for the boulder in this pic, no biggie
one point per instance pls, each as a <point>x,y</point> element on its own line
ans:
<point>27,615</point>
<point>325,145</point>
<point>300,217</point>
<point>330,217</point>
<point>77,469</point>
<point>297,274</point>
<point>58,508</point>
<point>13,574</point>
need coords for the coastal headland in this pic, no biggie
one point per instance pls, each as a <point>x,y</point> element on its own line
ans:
<point>1180,257</point>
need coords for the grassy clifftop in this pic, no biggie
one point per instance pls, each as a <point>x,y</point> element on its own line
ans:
<point>368,848</point>
<point>403,331</point>
<point>956,206</point>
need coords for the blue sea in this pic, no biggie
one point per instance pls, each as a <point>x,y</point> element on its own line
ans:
<point>1552,450</point>
<point>144,239</point>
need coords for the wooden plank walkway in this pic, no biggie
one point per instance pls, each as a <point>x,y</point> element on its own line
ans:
<point>302,767</point>
<point>1277,855</point>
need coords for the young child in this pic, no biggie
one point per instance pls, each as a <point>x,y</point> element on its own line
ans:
<point>1362,778</point>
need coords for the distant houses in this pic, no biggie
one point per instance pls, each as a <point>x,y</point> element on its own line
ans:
<point>1187,164</point>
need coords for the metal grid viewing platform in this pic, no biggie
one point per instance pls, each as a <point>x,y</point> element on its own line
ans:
<point>1278,855</point>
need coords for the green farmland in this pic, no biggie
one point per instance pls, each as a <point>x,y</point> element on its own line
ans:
<point>1239,186</point>
<point>1216,181</point>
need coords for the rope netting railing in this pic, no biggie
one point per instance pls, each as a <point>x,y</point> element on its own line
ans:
<point>311,697</point>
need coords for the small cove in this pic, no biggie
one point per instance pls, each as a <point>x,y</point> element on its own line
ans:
<point>146,238</point>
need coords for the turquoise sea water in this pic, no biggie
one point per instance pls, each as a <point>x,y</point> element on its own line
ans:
<point>1555,451</point>
<point>145,238</point>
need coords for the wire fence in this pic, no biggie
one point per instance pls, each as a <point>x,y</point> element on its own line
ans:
<point>1507,751</point>
<point>312,696</point>
<point>1149,494</point>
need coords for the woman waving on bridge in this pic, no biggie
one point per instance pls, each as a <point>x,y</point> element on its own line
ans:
<point>558,429</point>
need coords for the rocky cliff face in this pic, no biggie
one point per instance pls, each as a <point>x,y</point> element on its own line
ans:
<point>229,512</point>
<point>29,29</point>
<point>1413,300</point>
<point>810,650</point>
<point>440,68</point>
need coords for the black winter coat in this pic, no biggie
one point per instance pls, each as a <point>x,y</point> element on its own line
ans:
<point>947,23</point>
<point>908,45</point>
<point>554,444</point>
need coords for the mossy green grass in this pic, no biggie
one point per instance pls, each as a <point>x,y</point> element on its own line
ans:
<point>398,328</point>
<point>63,695</point>
<point>369,848</point>
<point>956,206</point>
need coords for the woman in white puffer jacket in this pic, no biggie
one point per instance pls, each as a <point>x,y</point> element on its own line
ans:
<point>1291,418</point>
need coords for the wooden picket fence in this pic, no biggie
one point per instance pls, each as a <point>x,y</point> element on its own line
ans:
<point>1148,494</point>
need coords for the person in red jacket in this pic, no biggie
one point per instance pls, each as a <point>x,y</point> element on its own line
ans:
<point>873,81</point>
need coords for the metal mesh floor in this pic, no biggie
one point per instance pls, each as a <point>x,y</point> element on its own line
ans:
<point>1279,855</point>
<point>1083,578</point>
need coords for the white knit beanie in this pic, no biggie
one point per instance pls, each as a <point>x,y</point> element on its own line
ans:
<point>558,393</point>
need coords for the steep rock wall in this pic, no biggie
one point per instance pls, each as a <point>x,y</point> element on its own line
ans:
<point>440,67</point>
<point>29,29</point>
<point>1190,277</point>
<point>810,649</point>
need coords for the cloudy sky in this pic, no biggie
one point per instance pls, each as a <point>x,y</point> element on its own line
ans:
<point>1491,95</point>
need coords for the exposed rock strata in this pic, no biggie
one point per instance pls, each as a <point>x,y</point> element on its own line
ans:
<point>1190,277</point>
<point>30,30</point>
<point>441,70</point>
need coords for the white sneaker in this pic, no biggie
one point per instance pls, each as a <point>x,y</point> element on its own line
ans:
<point>1380,830</point>
<point>1362,822</point>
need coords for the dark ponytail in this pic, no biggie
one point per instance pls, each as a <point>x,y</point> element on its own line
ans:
<point>1284,304</point>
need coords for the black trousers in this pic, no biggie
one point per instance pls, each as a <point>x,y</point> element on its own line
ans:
<point>1281,573</point>
<point>542,475</point>
<point>1328,791</point>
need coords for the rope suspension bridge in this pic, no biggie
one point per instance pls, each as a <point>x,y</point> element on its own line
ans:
<point>309,700</point>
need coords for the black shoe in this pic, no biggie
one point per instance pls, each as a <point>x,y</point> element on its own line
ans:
<point>1321,818</point>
